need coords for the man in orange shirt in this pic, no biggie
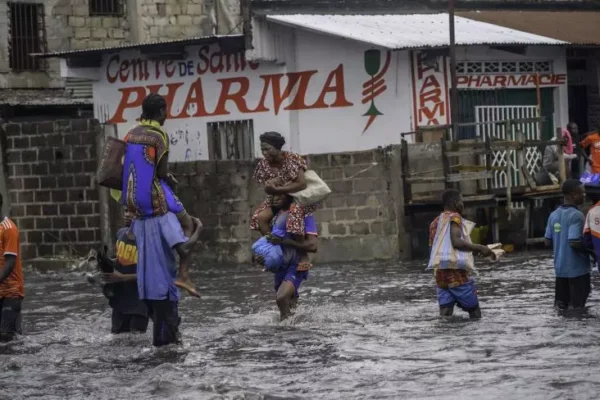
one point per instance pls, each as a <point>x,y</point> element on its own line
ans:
<point>11,280</point>
<point>592,141</point>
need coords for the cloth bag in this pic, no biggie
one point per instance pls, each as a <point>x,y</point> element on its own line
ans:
<point>316,190</point>
<point>272,254</point>
<point>444,254</point>
<point>110,172</point>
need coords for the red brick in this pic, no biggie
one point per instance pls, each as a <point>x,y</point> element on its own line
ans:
<point>50,209</point>
<point>45,127</point>
<point>39,169</point>
<point>25,196</point>
<point>48,182</point>
<point>13,156</point>
<point>42,196</point>
<point>25,223</point>
<point>86,235</point>
<point>31,183</point>
<point>60,223</point>
<point>17,210</point>
<point>59,196</point>
<point>84,208</point>
<point>34,236</point>
<point>67,209</point>
<point>65,181</point>
<point>43,223</point>
<point>69,236</point>
<point>19,143</point>
<point>12,129</point>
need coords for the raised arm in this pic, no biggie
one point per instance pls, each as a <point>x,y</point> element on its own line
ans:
<point>462,245</point>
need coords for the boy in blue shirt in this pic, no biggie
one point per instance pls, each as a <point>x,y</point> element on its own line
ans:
<point>571,261</point>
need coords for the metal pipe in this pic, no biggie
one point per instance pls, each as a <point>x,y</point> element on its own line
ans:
<point>453,78</point>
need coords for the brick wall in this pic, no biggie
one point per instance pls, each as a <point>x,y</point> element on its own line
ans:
<point>51,185</point>
<point>358,222</point>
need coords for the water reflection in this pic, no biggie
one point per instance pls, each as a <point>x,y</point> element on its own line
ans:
<point>362,331</point>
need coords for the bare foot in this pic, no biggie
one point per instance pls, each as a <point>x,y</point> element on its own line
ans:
<point>188,286</point>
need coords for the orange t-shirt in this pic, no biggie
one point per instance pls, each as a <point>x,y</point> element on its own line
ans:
<point>12,286</point>
<point>593,142</point>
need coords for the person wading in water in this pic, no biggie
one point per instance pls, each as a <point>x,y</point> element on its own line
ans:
<point>147,183</point>
<point>281,172</point>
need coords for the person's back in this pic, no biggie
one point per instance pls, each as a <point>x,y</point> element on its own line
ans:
<point>565,225</point>
<point>129,312</point>
<point>11,280</point>
<point>592,142</point>
<point>564,232</point>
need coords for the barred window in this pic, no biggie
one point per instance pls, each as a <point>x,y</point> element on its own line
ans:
<point>26,36</point>
<point>107,8</point>
<point>231,140</point>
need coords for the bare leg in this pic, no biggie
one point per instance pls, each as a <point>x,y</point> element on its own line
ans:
<point>446,311</point>
<point>475,314</point>
<point>264,221</point>
<point>285,293</point>
<point>304,263</point>
<point>183,280</point>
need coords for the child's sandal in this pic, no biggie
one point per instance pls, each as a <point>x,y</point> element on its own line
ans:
<point>304,266</point>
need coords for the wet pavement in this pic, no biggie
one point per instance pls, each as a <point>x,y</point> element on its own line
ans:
<point>367,331</point>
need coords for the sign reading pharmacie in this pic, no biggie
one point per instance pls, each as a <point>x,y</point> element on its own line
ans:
<point>431,77</point>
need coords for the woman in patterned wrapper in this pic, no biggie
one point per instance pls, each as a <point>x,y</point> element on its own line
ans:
<point>281,172</point>
<point>148,187</point>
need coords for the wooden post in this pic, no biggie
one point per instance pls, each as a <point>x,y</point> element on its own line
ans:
<point>521,159</point>
<point>488,163</point>
<point>445,164</point>
<point>405,166</point>
<point>508,185</point>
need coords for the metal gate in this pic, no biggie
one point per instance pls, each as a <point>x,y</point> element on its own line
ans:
<point>530,130</point>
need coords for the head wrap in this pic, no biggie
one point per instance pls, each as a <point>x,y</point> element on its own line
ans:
<point>273,138</point>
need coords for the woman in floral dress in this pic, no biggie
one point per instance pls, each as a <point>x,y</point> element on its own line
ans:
<point>281,172</point>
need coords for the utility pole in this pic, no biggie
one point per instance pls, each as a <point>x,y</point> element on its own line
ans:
<point>453,80</point>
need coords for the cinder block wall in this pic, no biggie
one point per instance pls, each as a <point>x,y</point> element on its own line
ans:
<point>55,201</point>
<point>51,185</point>
<point>358,222</point>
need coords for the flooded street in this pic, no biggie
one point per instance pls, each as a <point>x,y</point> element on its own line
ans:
<point>361,331</point>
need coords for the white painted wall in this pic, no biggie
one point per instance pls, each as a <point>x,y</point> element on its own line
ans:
<point>328,67</point>
<point>332,124</point>
<point>325,130</point>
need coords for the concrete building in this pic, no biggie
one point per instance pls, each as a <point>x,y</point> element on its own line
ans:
<point>30,86</point>
<point>329,83</point>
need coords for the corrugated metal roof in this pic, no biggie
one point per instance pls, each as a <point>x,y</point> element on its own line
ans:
<point>79,87</point>
<point>411,31</point>
<point>577,28</point>
<point>40,97</point>
<point>100,50</point>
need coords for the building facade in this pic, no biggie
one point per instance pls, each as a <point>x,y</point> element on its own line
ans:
<point>29,27</point>
<point>328,89</point>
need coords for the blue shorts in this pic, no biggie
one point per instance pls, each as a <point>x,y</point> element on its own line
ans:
<point>290,275</point>
<point>464,295</point>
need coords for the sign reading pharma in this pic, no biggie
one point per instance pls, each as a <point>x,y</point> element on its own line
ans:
<point>431,77</point>
<point>211,86</point>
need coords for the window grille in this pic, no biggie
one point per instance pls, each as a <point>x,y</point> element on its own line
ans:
<point>26,36</point>
<point>107,8</point>
<point>231,140</point>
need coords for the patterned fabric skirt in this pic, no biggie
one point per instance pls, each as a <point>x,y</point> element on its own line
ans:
<point>451,278</point>
<point>295,222</point>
